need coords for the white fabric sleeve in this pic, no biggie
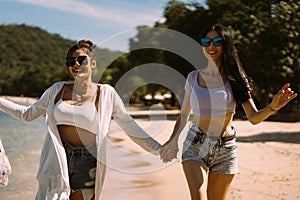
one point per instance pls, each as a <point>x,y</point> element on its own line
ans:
<point>133,130</point>
<point>26,113</point>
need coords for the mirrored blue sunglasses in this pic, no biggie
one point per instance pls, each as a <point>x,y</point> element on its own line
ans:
<point>217,41</point>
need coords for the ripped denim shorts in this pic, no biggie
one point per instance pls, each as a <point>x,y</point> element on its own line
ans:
<point>219,154</point>
<point>81,166</point>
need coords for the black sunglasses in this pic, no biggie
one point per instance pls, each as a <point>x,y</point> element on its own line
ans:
<point>70,61</point>
<point>217,41</point>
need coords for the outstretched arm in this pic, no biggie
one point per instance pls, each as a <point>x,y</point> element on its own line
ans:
<point>284,96</point>
<point>32,112</point>
<point>170,149</point>
<point>21,112</point>
<point>133,130</point>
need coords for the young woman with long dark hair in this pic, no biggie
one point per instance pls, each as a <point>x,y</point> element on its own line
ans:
<point>209,154</point>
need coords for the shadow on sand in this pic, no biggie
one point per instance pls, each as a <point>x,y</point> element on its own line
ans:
<point>289,137</point>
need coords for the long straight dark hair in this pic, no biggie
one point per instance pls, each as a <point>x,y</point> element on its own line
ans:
<point>231,66</point>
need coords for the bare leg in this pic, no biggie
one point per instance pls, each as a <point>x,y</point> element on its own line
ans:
<point>196,175</point>
<point>77,195</point>
<point>218,185</point>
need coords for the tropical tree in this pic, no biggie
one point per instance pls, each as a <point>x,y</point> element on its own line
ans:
<point>266,35</point>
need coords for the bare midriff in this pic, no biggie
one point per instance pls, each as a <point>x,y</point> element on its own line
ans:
<point>76,136</point>
<point>217,125</point>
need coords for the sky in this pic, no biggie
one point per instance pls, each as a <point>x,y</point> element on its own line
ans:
<point>109,23</point>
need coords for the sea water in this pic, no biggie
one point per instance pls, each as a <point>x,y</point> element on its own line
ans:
<point>22,142</point>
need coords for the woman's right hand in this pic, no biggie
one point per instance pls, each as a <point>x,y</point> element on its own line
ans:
<point>169,150</point>
<point>284,95</point>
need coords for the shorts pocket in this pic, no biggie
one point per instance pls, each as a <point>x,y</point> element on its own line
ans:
<point>189,138</point>
<point>187,144</point>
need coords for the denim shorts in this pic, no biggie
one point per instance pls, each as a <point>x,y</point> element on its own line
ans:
<point>219,154</point>
<point>81,166</point>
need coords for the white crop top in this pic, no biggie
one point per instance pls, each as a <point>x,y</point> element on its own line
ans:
<point>209,101</point>
<point>84,117</point>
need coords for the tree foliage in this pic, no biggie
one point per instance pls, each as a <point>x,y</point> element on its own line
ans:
<point>266,35</point>
<point>32,59</point>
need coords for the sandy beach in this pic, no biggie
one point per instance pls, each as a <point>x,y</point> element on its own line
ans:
<point>269,161</point>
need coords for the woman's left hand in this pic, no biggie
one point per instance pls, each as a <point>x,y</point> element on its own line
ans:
<point>284,95</point>
<point>169,151</point>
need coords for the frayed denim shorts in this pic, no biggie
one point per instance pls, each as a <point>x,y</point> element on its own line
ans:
<point>81,166</point>
<point>219,154</point>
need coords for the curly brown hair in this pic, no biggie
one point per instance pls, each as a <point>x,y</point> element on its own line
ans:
<point>86,45</point>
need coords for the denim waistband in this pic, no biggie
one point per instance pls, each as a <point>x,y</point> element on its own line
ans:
<point>196,129</point>
<point>200,136</point>
<point>91,149</point>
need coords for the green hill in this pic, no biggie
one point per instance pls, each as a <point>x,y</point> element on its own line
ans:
<point>32,59</point>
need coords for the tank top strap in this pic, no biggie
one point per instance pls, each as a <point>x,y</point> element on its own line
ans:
<point>97,97</point>
<point>59,94</point>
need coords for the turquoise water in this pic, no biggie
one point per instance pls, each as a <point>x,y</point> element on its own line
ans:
<point>22,142</point>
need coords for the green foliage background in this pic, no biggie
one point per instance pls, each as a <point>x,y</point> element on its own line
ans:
<point>266,35</point>
<point>32,59</point>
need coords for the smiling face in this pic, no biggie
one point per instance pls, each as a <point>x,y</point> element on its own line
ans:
<point>85,69</point>
<point>213,52</point>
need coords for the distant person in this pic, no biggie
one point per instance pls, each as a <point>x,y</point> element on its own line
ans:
<point>209,154</point>
<point>78,116</point>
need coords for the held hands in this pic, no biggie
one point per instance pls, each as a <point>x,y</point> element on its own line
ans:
<point>169,150</point>
<point>284,95</point>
